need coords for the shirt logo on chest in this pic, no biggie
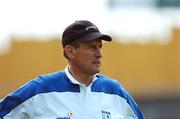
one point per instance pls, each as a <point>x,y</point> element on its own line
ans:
<point>106,115</point>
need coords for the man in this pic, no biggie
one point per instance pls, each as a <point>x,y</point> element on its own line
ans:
<point>78,92</point>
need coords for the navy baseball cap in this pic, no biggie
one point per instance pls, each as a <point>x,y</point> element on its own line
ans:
<point>82,30</point>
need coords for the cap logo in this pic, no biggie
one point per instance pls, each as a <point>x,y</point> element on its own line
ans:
<point>90,27</point>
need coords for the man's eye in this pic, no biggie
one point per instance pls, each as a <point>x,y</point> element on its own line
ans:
<point>91,47</point>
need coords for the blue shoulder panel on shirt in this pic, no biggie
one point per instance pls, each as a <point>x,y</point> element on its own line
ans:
<point>110,86</point>
<point>55,82</point>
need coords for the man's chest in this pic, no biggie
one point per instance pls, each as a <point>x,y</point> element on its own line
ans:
<point>78,105</point>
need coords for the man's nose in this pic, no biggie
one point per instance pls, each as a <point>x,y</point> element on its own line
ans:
<point>99,53</point>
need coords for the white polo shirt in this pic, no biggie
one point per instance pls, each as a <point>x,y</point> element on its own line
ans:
<point>60,96</point>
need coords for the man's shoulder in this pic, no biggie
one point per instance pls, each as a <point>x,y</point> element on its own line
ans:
<point>41,84</point>
<point>51,76</point>
<point>108,85</point>
<point>44,80</point>
<point>47,83</point>
<point>56,81</point>
<point>105,80</point>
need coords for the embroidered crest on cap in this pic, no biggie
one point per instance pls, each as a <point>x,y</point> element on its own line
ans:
<point>90,27</point>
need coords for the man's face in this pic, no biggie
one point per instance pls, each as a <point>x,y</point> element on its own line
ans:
<point>87,57</point>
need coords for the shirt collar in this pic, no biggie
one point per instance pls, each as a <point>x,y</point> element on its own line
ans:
<point>73,80</point>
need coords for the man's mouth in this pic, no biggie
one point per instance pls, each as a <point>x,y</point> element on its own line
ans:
<point>97,62</point>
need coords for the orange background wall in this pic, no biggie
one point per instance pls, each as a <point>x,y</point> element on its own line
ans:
<point>145,70</point>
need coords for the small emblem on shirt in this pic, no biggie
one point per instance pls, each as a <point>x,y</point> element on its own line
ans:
<point>106,115</point>
<point>69,115</point>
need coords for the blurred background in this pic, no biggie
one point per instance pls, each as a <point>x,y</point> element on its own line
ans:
<point>144,55</point>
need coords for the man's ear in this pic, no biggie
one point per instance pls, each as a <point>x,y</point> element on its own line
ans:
<point>69,50</point>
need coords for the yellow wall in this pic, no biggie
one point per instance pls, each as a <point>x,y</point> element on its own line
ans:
<point>145,70</point>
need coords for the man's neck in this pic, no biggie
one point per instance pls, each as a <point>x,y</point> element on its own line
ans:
<point>80,76</point>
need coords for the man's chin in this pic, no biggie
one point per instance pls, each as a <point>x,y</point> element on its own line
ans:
<point>96,71</point>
